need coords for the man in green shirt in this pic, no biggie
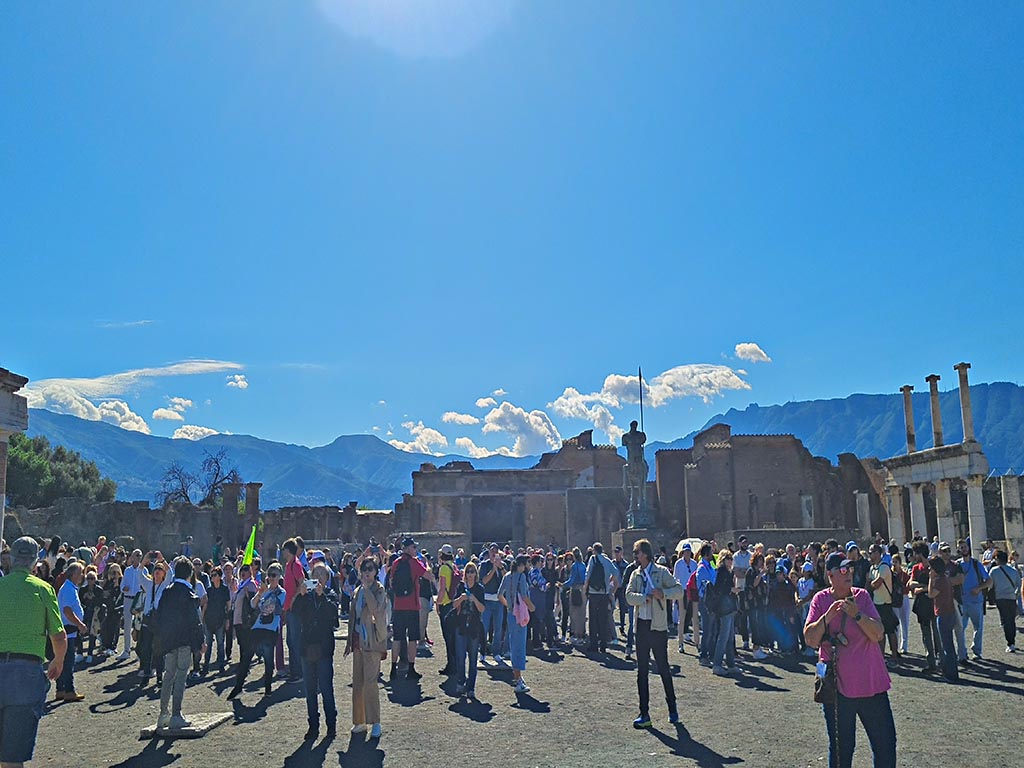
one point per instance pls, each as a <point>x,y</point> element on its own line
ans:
<point>29,609</point>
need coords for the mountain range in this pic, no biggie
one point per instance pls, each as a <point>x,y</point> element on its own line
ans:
<point>364,468</point>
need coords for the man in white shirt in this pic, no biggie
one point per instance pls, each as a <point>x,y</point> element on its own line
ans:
<point>740,566</point>
<point>131,585</point>
<point>685,567</point>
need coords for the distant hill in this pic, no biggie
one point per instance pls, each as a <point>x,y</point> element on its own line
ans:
<point>364,468</point>
<point>359,468</point>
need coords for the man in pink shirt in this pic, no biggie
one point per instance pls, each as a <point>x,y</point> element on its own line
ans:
<point>294,575</point>
<point>844,625</point>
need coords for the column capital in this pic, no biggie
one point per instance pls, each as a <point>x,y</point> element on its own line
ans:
<point>933,378</point>
<point>976,480</point>
<point>962,367</point>
<point>907,388</point>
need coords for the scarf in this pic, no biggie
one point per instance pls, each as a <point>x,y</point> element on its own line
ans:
<point>364,634</point>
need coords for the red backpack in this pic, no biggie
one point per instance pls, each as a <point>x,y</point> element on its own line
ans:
<point>691,588</point>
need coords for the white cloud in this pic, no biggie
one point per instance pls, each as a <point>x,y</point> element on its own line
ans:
<point>499,392</point>
<point>61,398</point>
<point>486,402</point>
<point>474,451</point>
<point>179,404</point>
<point>534,431</point>
<point>703,380</point>
<point>238,381</point>
<point>424,439</point>
<point>453,417</point>
<point>382,403</point>
<point>167,414</point>
<point>415,28</point>
<point>748,350</point>
<point>125,324</point>
<point>193,432</point>
<point>376,429</point>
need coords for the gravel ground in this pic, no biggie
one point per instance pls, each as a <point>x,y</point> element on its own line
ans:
<point>578,714</point>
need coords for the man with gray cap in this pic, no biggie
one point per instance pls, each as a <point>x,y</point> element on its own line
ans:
<point>29,609</point>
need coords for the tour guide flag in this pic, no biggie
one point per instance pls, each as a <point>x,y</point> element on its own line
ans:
<point>250,548</point>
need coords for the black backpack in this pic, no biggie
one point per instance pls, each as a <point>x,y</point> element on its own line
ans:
<point>401,578</point>
<point>597,575</point>
<point>897,590</point>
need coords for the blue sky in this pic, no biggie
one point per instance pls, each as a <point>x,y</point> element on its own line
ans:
<point>379,217</point>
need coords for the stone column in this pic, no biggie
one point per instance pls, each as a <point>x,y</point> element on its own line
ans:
<point>13,418</point>
<point>976,510</point>
<point>894,513</point>
<point>230,522</point>
<point>908,417</point>
<point>944,512</point>
<point>918,521</point>
<point>1012,522</point>
<point>965,401</point>
<point>252,503</point>
<point>863,513</point>
<point>933,391</point>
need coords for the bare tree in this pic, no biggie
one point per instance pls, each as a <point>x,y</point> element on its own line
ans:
<point>216,473</point>
<point>176,486</point>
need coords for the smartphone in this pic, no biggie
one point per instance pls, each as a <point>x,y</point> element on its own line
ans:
<point>311,584</point>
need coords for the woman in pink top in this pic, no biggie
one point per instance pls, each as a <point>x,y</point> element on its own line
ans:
<point>843,624</point>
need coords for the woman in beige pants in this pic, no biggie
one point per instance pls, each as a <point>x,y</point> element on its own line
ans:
<point>367,641</point>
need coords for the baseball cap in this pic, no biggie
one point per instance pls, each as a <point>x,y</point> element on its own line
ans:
<point>808,568</point>
<point>851,545</point>
<point>742,539</point>
<point>24,548</point>
<point>446,549</point>
<point>617,548</point>
<point>687,547</point>
<point>836,560</point>
<point>408,541</point>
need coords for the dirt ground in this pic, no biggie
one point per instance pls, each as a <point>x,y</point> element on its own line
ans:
<point>578,713</point>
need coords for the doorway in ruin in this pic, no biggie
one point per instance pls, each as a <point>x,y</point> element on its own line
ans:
<point>500,519</point>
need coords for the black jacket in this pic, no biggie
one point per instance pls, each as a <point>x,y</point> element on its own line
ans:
<point>177,622</point>
<point>319,618</point>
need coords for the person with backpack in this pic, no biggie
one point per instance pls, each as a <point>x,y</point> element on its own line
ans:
<point>263,632</point>
<point>449,580</point>
<point>368,644</point>
<point>600,585</point>
<point>882,585</point>
<point>178,635</point>
<point>469,606</point>
<point>514,594</point>
<point>404,579</point>
<point>976,582</point>
<point>704,576</point>
<point>1006,581</point>
<point>924,608</point>
<point>243,615</point>
<point>651,587</point>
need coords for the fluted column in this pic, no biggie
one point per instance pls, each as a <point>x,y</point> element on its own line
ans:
<point>894,513</point>
<point>965,401</point>
<point>976,510</point>
<point>918,522</point>
<point>933,396</point>
<point>908,417</point>
<point>944,512</point>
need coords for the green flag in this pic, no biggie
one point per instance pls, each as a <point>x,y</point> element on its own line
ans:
<point>250,548</point>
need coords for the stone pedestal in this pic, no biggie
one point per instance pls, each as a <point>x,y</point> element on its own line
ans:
<point>976,511</point>
<point>944,512</point>
<point>863,513</point>
<point>918,521</point>
<point>894,514</point>
<point>1012,521</point>
<point>627,537</point>
<point>199,725</point>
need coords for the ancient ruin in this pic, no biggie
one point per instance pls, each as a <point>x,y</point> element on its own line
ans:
<point>13,418</point>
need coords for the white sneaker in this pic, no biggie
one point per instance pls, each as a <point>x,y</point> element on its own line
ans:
<point>688,637</point>
<point>359,728</point>
<point>522,687</point>
<point>178,722</point>
<point>1011,649</point>
<point>163,722</point>
<point>124,655</point>
<point>375,731</point>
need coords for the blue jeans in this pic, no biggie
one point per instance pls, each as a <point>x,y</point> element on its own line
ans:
<point>517,643</point>
<point>466,646</point>
<point>492,623</point>
<point>725,648</point>
<point>66,681</point>
<point>976,613</point>
<point>319,678</point>
<point>23,687</point>
<point>708,631</point>
<point>875,715</point>
<point>294,640</point>
<point>949,661</point>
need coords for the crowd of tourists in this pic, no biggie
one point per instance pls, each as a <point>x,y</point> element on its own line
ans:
<point>282,609</point>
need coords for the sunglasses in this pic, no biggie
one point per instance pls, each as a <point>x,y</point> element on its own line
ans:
<point>843,569</point>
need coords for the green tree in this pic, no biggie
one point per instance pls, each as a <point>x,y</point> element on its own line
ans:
<point>38,474</point>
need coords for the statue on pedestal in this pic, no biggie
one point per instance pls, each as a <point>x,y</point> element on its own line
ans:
<point>635,477</point>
